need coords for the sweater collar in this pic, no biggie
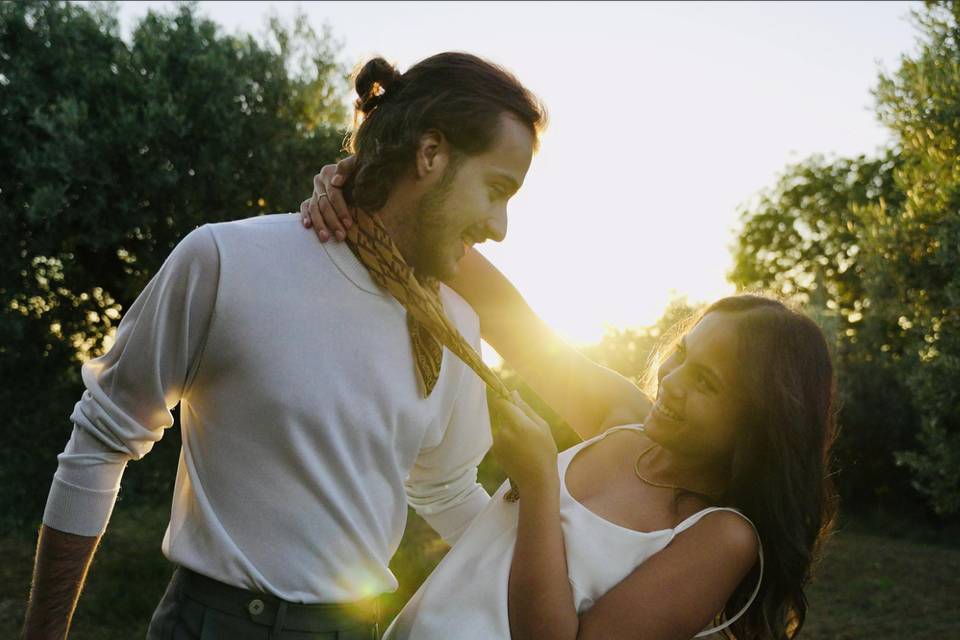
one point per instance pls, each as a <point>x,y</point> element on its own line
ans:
<point>352,269</point>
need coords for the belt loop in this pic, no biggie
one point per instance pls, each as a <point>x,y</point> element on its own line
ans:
<point>181,580</point>
<point>278,621</point>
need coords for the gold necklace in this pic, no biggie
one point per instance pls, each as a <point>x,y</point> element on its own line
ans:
<point>636,469</point>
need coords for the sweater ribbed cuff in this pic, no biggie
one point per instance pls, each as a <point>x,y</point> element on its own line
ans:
<point>82,512</point>
<point>452,522</point>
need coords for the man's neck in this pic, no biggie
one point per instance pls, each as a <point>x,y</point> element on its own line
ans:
<point>397,217</point>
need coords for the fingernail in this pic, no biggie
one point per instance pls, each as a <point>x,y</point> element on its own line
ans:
<point>324,236</point>
<point>337,180</point>
<point>341,235</point>
<point>347,222</point>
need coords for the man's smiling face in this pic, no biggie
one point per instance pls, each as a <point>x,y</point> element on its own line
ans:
<point>469,204</point>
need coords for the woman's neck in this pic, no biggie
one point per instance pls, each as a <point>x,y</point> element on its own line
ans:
<point>659,466</point>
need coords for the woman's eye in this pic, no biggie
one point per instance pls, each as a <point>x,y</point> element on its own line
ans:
<point>703,382</point>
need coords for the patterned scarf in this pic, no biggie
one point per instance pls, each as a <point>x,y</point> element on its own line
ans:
<point>427,323</point>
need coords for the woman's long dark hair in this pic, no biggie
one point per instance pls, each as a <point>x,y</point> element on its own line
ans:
<point>780,467</point>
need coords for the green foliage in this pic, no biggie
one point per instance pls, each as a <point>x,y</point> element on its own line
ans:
<point>874,243</point>
<point>937,466</point>
<point>110,152</point>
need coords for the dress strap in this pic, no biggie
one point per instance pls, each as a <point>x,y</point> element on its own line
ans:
<point>635,427</point>
<point>604,434</point>
<point>692,520</point>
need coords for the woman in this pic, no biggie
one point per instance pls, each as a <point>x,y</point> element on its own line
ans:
<point>706,507</point>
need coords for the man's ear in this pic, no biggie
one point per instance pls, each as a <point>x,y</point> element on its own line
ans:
<point>433,154</point>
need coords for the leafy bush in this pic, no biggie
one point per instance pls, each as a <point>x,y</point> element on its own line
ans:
<point>110,152</point>
<point>875,244</point>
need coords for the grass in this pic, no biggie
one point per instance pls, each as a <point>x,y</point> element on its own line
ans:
<point>871,585</point>
<point>902,584</point>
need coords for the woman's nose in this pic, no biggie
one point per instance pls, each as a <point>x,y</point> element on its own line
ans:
<point>670,383</point>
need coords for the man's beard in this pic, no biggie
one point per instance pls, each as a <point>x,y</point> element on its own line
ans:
<point>431,229</point>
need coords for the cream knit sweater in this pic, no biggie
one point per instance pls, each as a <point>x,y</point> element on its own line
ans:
<point>304,434</point>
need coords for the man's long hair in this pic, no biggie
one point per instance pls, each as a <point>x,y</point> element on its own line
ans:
<point>458,94</point>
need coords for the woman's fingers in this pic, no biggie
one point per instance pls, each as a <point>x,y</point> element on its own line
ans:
<point>335,193</point>
<point>515,418</point>
<point>507,427</point>
<point>344,168</point>
<point>322,193</point>
<point>522,444</point>
<point>311,216</point>
<point>529,411</point>
<point>509,412</point>
<point>308,213</point>
<point>327,211</point>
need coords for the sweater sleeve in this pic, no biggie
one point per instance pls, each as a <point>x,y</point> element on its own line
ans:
<point>442,487</point>
<point>131,389</point>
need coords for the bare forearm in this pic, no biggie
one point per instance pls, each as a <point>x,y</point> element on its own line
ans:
<point>540,598</point>
<point>505,317</point>
<point>575,387</point>
<point>59,571</point>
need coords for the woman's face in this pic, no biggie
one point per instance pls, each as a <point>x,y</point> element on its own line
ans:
<point>698,408</point>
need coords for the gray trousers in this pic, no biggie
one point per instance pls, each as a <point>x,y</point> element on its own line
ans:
<point>195,607</point>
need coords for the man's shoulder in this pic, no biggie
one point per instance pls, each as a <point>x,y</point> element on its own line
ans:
<point>278,237</point>
<point>257,226</point>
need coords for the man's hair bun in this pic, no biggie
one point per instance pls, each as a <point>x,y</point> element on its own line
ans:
<point>458,94</point>
<point>375,81</point>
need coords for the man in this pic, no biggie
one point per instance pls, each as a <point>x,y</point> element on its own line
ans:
<point>306,425</point>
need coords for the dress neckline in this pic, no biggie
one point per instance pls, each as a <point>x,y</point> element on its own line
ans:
<point>563,482</point>
<point>575,451</point>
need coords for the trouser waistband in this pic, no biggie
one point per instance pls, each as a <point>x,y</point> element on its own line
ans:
<point>271,611</point>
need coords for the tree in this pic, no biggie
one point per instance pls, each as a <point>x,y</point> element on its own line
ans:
<point>110,152</point>
<point>921,105</point>
<point>875,244</point>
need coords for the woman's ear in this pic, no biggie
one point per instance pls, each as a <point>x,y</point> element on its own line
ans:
<point>433,155</point>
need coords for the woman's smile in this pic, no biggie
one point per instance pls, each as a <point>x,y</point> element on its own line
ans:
<point>660,409</point>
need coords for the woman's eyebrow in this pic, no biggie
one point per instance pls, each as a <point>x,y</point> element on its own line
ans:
<point>718,379</point>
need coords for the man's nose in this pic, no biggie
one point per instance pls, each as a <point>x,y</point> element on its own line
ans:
<point>497,226</point>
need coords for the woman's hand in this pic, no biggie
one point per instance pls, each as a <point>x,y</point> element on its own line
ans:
<point>326,210</point>
<point>524,446</point>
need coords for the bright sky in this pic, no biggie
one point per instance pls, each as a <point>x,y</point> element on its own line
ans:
<point>664,118</point>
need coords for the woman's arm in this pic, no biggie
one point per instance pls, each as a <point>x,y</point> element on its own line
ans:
<point>540,600</point>
<point>588,396</point>
<point>671,596</point>
<point>678,591</point>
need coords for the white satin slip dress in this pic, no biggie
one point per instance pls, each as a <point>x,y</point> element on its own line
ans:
<point>465,598</point>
